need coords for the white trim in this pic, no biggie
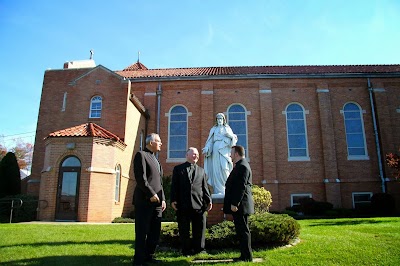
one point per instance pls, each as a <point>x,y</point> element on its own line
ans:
<point>169,133</point>
<point>207,92</point>
<point>265,91</point>
<point>297,158</point>
<point>246,113</point>
<point>360,193</point>
<point>322,90</point>
<point>356,157</point>
<point>298,195</point>
<point>379,90</point>
<point>64,104</point>
<point>100,170</point>
<point>175,160</point>
<point>101,106</point>
<point>150,94</point>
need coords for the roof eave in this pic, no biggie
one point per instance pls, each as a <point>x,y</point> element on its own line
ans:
<point>270,76</point>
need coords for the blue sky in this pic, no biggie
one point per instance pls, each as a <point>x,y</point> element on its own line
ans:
<point>40,35</point>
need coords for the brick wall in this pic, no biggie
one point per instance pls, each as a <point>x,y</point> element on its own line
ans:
<point>328,175</point>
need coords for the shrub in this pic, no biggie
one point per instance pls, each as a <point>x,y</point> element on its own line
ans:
<point>266,230</point>
<point>290,212</point>
<point>221,235</point>
<point>24,213</point>
<point>170,235</point>
<point>169,213</point>
<point>310,206</point>
<point>382,204</point>
<point>273,229</point>
<point>262,199</point>
<point>123,220</point>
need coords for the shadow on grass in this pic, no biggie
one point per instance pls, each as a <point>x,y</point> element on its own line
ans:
<point>86,260</point>
<point>348,222</point>
<point>65,243</point>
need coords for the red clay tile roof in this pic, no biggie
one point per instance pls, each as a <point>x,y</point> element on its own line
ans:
<point>136,66</point>
<point>86,130</point>
<point>131,72</point>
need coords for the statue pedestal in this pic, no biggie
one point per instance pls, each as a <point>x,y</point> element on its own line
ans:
<point>216,215</point>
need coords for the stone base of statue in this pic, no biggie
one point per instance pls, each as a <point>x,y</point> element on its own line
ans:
<point>217,215</point>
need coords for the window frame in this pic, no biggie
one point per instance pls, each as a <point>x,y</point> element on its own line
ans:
<point>353,194</point>
<point>361,112</point>
<point>304,111</point>
<point>93,100</point>
<point>118,175</point>
<point>246,113</point>
<point>169,114</point>
<point>302,195</point>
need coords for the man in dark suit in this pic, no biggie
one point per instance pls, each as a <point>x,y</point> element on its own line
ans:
<point>239,202</point>
<point>149,201</point>
<point>190,198</point>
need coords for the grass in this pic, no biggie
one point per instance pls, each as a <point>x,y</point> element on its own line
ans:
<point>365,241</point>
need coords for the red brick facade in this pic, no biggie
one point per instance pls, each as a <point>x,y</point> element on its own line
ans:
<point>328,175</point>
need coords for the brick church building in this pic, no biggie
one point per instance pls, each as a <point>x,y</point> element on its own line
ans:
<point>309,131</point>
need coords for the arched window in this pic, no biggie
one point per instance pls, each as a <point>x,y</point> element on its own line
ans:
<point>95,107</point>
<point>355,135</point>
<point>117,183</point>
<point>237,120</point>
<point>178,132</point>
<point>296,133</point>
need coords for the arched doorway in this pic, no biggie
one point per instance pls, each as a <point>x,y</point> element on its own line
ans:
<point>67,189</point>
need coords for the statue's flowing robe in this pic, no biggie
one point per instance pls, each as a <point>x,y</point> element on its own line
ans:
<point>217,162</point>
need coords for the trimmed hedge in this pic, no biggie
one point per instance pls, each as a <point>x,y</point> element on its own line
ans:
<point>266,230</point>
<point>123,220</point>
<point>273,229</point>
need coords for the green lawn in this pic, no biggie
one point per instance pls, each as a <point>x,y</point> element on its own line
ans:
<point>367,241</point>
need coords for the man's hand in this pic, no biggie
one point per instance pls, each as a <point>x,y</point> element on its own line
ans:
<point>163,205</point>
<point>155,198</point>
<point>209,207</point>
<point>173,205</point>
<point>234,208</point>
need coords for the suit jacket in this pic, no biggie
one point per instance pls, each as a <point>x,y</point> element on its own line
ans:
<point>238,189</point>
<point>190,192</point>
<point>148,175</point>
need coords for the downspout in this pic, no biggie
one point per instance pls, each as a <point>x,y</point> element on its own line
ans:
<point>376,133</point>
<point>159,92</point>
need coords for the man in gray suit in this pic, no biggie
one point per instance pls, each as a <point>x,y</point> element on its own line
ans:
<point>190,198</point>
<point>149,201</point>
<point>239,202</point>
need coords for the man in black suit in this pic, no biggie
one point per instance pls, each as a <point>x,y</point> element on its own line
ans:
<point>149,201</point>
<point>190,198</point>
<point>239,202</point>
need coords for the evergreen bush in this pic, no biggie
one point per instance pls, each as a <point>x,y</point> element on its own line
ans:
<point>169,213</point>
<point>10,178</point>
<point>273,229</point>
<point>266,230</point>
<point>262,199</point>
<point>383,204</point>
<point>221,235</point>
<point>170,235</point>
<point>309,206</point>
<point>123,220</point>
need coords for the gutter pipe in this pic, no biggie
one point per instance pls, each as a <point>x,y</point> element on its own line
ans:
<point>376,133</point>
<point>159,92</point>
